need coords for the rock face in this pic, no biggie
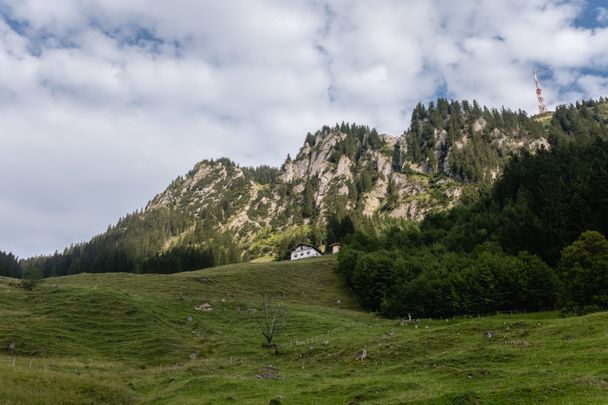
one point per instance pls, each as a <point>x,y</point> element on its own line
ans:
<point>335,182</point>
<point>204,186</point>
<point>338,170</point>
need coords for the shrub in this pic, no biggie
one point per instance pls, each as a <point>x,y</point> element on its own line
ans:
<point>583,270</point>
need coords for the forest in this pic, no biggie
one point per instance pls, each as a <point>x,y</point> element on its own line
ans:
<point>535,241</point>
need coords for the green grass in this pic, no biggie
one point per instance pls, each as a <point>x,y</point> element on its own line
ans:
<point>544,118</point>
<point>121,338</point>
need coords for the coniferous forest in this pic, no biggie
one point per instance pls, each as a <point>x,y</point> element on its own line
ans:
<point>535,241</point>
<point>9,265</point>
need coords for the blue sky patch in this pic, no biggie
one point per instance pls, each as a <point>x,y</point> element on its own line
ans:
<point>594,14</point>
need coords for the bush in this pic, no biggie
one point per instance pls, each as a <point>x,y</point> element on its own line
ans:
<point>583,270</point>
<point>28,283</point>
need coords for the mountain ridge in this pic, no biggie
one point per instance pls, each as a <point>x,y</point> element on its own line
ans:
<point>448,153</point>
<point>351,169</point>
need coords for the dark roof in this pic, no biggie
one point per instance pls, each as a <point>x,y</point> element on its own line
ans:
<point>304,244</point>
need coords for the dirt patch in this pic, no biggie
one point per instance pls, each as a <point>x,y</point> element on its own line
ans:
<point>268,373</point>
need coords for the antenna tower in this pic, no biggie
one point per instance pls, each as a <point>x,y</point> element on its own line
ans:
<point>542,108</point>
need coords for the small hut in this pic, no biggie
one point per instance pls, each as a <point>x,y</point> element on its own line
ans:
<point>335,248</point>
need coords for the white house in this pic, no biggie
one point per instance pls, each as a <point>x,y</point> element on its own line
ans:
<point>304,251</point>
<point>335,248</point>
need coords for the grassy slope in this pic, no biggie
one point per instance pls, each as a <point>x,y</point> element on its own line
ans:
<point>120,338</point>
<point>544,118</point>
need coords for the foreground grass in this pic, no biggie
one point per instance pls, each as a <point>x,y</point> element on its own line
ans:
<point>120,338</point>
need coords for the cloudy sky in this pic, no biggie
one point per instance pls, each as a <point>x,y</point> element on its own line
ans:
<point>104,102</point>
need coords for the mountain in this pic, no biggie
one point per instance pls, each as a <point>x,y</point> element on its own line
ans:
<point>220,212</point>
<point>132,338</point>
<point>352,168</point>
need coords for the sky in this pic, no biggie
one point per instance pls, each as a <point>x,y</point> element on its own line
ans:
<point>104,102</point>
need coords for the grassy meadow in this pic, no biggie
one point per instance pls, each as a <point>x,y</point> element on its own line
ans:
<point>124,338</point>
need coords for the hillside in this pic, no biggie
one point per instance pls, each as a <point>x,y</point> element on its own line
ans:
<point>221,213</point>
<point>352,168</point>
<point>122,338</point>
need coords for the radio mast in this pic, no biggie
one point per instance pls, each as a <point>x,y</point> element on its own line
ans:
<point>542,108</point>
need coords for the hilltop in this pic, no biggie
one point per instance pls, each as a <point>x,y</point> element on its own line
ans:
<point>124,338</point>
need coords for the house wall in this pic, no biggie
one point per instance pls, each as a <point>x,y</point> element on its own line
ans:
<point>304,252</point>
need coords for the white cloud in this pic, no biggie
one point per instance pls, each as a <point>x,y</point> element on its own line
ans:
<point>593,86</point>
<point>103,102</point>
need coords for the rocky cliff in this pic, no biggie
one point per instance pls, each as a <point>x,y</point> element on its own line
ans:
<point>448,150</point>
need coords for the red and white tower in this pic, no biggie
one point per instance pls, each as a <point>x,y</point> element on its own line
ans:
<point>542,108</point>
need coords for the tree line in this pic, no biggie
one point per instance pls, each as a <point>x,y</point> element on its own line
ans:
<point>9,265</point>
